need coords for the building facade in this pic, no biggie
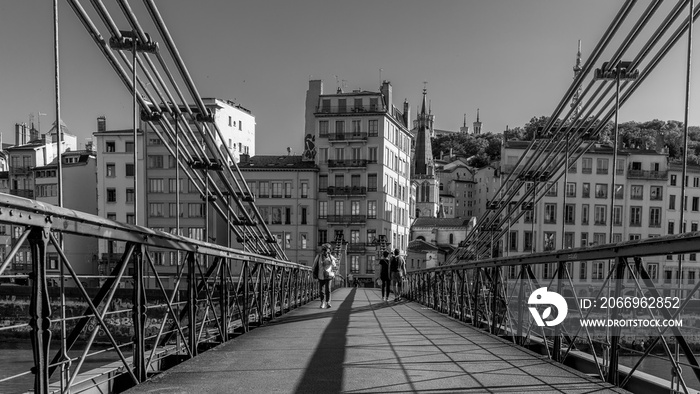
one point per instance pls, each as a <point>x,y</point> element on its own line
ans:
<point>286,189</point>
<point>362,146</point>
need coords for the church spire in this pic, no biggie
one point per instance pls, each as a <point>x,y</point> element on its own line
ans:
<point>577,71</point>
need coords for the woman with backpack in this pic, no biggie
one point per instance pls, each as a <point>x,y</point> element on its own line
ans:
<point>324,270</point>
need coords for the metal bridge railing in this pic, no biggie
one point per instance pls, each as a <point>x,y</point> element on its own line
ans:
<point>500,295</point>
<point>145,325</point>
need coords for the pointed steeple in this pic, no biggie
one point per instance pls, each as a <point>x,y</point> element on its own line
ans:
<point>423,154</point>
<point>577,71</point>
<point>477,124</point>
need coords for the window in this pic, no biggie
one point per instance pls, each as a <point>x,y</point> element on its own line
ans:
<point>276,189</point>
<point>355,208</point>
<point>303,241</point>
<point>550,213</point>
<point>601,190</point>
<point>656,193</point>
<point>372,154</point>
<point>339,127</point>
<point>583,270</point>
<point>323,128</point>
<point>584,240</point>
<point>304,215</point>
<point>112,216</point>
<point>373,127</point>
<point>571,189</point>
<point>196,233</point>
<point>155,209</point>
<point>655,217</point>
<point>587,165</point>
<point>673,180</point>
<point>355,264</point>
<point>356,128</point>
<point>130,195</point>
<point>372,182</point>
<point>173,186</point>
<point>672,201</point>
<point>600,214</point>
<point>512,241</point>
<point>323,209</point>
<point>528,242</point>
<point>172,210</point>
<point>111,195</point>
<point>304,190</point>
<point>340,181</point>
<point>551,191</point>
<point>601,166</point>
<point>371,262</point>
<point>129,146</point>
<point>155,185</point>
<point>617,215</point>
<point>339,208</point>
<point>570,214</point>
<point>111,173</point>
<point>155,161</point>
<point>635,216</point>
<point>264,190</point>
<point>129,169</point>
<point>619,192</point>
<point>276,215</point>
<point>130,218</point>
<point>568,240</point>
<point>599,239</point>
<point>637,192</point>
<point>195,210</point>
<point>584,214</point>
<point>694,204</point>
<point>597,273</point>
<point>110,146</point>
<point>323,183</point>
<point>371,209</point>
<point>550,238</point>
<point>339,153</point>
<point>586,190</point>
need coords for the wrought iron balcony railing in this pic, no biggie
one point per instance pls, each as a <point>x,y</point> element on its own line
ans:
<point>650,175</point>
<point>348,163</point>
<point>346,190</point>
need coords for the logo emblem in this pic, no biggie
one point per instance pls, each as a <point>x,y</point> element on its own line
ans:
<point>543,297</point>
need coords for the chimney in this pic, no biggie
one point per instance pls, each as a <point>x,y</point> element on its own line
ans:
<point>101,123</point>
<point>406,113</point>
<point>312,101</point>
<point>244,158</point>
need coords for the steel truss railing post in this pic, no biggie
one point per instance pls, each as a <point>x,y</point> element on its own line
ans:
<point>494,299</point>
<point>139,315</point>
<point>521,304</point>
<point>224,299</point>
<point>556,351</point>
<point>40,309</point>
<point>613,376</point>
<point>477,289</point>
<point>245,308</point>
<point>192,302</point>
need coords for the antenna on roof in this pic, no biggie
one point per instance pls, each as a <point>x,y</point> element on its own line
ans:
<point>337,84</point>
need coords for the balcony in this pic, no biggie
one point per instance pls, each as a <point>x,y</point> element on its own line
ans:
<point>347,219</point>
<point>26,193</point>
<point>358,163</point>
<point>650,175</point>
<point>356,247</point>
<point>346,191</point>
<point>347,137</point>
<point>349,109</point>
<point>21,170</point>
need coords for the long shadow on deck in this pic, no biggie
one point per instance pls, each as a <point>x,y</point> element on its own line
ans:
<point>324,374</point>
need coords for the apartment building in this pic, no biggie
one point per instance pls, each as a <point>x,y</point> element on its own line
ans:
<point>362,147</point>
<point>577,214</point>
<point>285,189</point>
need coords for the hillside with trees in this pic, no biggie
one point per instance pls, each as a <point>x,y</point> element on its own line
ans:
<point>632,134</point>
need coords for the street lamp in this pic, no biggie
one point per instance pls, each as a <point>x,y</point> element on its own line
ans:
<point>621,71</point>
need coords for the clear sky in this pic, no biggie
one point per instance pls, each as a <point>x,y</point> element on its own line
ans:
<point>512,59</point>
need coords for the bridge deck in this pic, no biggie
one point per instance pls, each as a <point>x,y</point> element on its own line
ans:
<point>365,345</point>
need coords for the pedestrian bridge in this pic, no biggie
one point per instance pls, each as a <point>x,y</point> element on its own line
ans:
<point>365,345</point>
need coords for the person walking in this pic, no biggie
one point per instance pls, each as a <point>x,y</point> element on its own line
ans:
<point>324,271</point>
<point>397,271</point>
<point>384,275</point>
